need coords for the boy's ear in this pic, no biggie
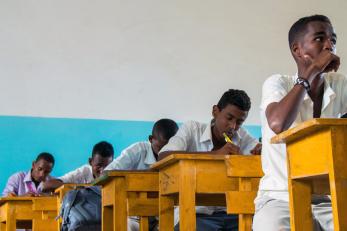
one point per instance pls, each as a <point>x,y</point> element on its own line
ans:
<point>150,137</point>
<point>33,164</point>
<point>215,111</point>
<point>296,50</point>
<point>90,160</point>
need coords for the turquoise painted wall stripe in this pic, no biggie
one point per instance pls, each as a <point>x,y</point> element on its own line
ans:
<point>69,140</point>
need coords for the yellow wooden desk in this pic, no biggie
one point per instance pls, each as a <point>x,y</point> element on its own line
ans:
<point>40,211</point>
<point>60,193</point>
<point>128,193</point>
<point>247,170</point>
<point>316,158</point>
<point>188,180</point>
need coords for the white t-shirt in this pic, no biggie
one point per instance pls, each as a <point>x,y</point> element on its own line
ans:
<point>274,184</point>
<point>82,175</point>
<point>194,136</point>
<point>138,156</point>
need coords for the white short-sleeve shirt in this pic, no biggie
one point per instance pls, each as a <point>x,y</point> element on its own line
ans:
<point>274,184</point>
<point>81,175</point>
<point>138,156</point>
<point>194,136</point>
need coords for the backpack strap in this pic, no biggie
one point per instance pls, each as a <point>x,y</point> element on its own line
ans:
<point>65,210</point>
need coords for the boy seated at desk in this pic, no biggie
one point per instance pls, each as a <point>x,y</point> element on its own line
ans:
<point>102,155</point>
<point>142,155</point>
<point>30,183</point>
<point>228,116</point>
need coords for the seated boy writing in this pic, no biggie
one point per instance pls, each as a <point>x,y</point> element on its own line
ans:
<point>142,155</point>
<point>102,155</point>
<point>228,116</point>
<point>30,183</point>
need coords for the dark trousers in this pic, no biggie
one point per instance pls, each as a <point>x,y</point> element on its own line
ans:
<point>219,221</point>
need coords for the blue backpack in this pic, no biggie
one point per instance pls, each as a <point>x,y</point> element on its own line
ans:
<point>81,210</point>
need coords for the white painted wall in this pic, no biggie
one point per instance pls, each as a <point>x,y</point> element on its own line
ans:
<point>145,59</point>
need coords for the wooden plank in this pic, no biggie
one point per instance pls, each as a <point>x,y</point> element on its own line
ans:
<point>169,178</point>
<point>173,158</point>
<point>166,213</point>
<point>143,207</point>
<point>144,224</point>
<point>3,212</point>
<point>309,156</point>
<point>300,205</point>
<point>108,192</point>
<point>23,210</point>
<point>244,166</point>
<point>143,182</point>
<point>306,128</point>
<point>338,177</point>
<point>240,202</point>
<point>45,204</point>
<point>11,218</point>
<point>187,189</point>
<point>120,205</point>
<point>107,218</point>
<point>245,222</point>
<point>44,225</point>
<point>208,171</point>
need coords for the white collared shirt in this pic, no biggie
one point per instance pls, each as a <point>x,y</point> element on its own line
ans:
<point>274,184</point>
<point>81,175</point>
<point>21,183</point>
<point>194,136</point>
<point>138,156</point>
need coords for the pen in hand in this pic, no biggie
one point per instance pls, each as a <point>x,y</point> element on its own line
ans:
<point>227,139</point>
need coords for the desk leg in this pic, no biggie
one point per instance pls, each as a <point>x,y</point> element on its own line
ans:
<point>11,219</point>
<point>144,220</point>
<point>338,178</point>
<point>10,225</point>
<point>107,218</point>
<point>166,213</point>
<point>144,225</point>
<point>120,205</point>
<point>338,189</point>
<point>245,220</point>
<point>44,225</point>
<point>187,191</point>
<point>2,226</point>
<point>300,205</point>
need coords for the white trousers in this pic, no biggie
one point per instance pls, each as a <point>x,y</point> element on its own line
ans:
<point>273,215</point>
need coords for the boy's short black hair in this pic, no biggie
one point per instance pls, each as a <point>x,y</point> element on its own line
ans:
<point>103,149</point>
<point>235,97</point>
<point>166,128</point>
<point>300,26</point>
<point>45,156</point>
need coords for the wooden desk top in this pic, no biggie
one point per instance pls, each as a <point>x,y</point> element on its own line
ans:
<point>18,198</point>
<point>108,175</point>
<point>186,156</point>
<point>306,128</point>
<point>38,203</point>
<point>67,187</point>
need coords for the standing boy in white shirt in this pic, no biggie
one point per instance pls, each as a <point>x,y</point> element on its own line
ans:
<point>142,155</point>
<point>228,116</point>
<point>288,100</point>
